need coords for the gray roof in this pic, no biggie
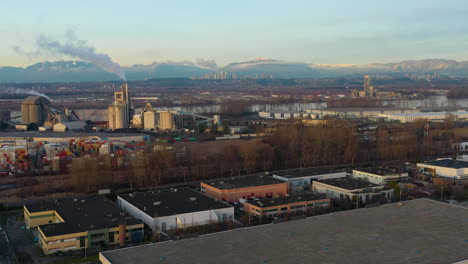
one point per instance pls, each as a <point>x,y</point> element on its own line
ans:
<point>349,183</point>
<point>243,182</point>
<point>448,163</point>
<point>299,173</point>
<point>416,232</point>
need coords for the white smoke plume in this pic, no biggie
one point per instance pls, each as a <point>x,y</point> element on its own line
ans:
<point>76,48</point>
<point>24,91</point>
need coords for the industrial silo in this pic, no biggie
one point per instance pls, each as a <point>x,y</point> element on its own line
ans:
<point>34,110</point>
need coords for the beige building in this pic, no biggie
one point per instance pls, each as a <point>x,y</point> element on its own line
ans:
<point>351,188</point>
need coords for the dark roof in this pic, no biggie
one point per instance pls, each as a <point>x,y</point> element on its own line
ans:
<point>418,232</point>
<point>448,163</point>
<point>172,202</point>
<point>81,214</point>
<point>306,172</point>
<point>349,183</point>
<point>287,199</point>
<point>382,171</point>
<point>243,182</point>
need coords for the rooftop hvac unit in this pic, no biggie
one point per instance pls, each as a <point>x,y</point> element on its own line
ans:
<point>193,198</point>
<point>157,203</point>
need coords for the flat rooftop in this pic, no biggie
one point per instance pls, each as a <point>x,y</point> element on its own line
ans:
<point>448,163</point>
<point>382,171</point>
<point>263,203</point>
<point>243,182</point>
<point>290,174</point>
<point>349,183</point>
<point>172,202</point>
<point>417,232</point>
<point>81,214</point>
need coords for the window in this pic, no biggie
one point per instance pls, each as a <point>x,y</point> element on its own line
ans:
<point>284,209</point>
<point>297,206</point>
<point>271,210</point>
<point>83,241</point>
<point>111,237</point>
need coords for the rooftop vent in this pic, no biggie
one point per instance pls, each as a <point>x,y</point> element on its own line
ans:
<point>193,198</point>
<point>144,208</point>
<point>157,203</point>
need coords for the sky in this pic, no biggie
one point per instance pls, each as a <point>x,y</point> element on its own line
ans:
<point>325,32</point>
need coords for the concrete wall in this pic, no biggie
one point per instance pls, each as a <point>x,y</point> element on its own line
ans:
<point>377,179</point>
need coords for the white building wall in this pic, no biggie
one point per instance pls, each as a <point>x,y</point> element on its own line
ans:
<point>177,221</point>
<point>135,212</point>
<point>444,171</point>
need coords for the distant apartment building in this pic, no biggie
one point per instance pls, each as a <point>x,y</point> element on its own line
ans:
<point>380,176</point>
<point>351,188</point>
<point>171,209</point>
<point>300,180</point>
<point>285,205</point>
<point>234,189</point>
<point>73,224</point>
<point>447,168</point>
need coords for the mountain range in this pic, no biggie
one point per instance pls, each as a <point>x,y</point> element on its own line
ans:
<point>79,71</point>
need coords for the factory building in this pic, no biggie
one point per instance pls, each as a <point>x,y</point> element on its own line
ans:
<point>379,176</point>
<point>286,205</point>
<point>171,209</point>
<point>447,168</point>
<point>300,180</point>
<point>460,115</point>
<point>37,110</point>
<point>121,110</point>
<point>152,119</point>
<point>368,91</point>
<point>73,224</point>
<point>234,189</point>
<point>351,188</point>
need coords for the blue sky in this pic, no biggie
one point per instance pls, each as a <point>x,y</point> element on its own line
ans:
<point>328,32</point>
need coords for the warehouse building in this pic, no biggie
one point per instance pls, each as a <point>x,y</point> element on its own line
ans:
<point>171,209</point>
<point>73,224</point>
<point>418,232</point>
<point>447,168</point>
<point>300,180</point>
<point>286,205</point>
<point>349,188</point>
<point>379,175</point>
<point>432,116</point>
<point>254,186</point>
<point>356,112</point>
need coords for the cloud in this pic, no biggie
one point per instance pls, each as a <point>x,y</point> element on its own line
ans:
<point>207,64</point>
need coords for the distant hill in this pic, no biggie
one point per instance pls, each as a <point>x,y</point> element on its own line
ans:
<point>78,71</point>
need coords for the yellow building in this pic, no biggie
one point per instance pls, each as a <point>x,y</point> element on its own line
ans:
<point>73,224</point>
